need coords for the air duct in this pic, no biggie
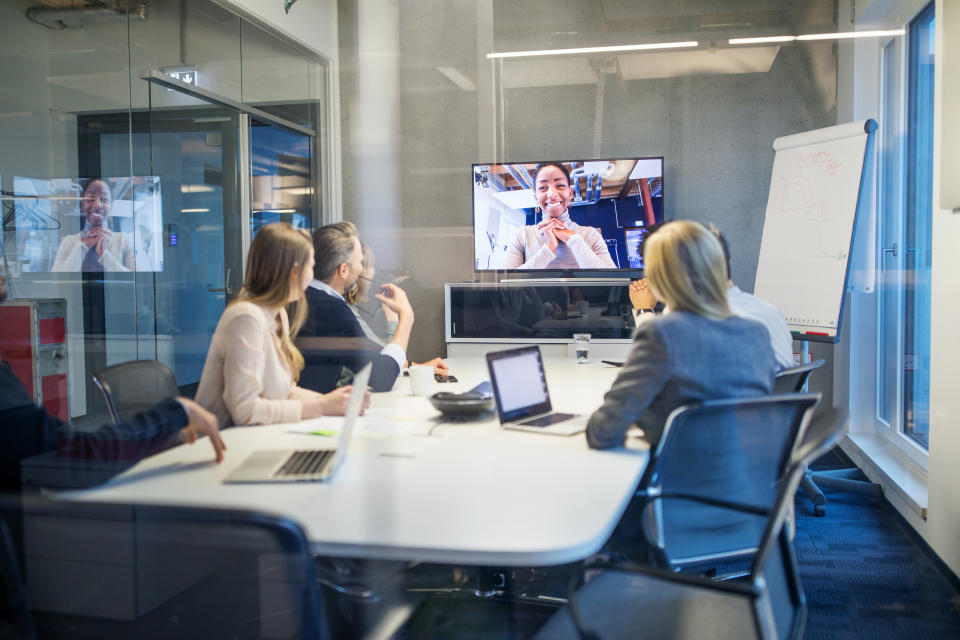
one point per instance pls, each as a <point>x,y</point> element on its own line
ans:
<point>78,15</point>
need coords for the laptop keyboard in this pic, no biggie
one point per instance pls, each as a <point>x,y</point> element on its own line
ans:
<point>303,463</point>
<point>547,420</point>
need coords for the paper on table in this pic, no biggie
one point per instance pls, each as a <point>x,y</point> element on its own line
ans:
<point>325,426</point>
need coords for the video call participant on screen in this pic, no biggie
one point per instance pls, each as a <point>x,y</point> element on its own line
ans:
<point>96,247</point>
<point>28,430</point>
<point>360,293</point>
<point>556,242</point>
<point>252,367</point>
<point>696,351</point>
<point>331,338</point>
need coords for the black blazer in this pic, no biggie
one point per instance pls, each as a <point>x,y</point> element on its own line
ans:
<point>332,340</point>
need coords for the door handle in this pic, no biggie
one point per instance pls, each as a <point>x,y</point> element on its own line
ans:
<point>891,250</point>
<point>225,289</point>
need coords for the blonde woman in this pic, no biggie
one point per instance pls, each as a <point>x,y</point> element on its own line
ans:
<point>695,351</point>
<point>250,373</point>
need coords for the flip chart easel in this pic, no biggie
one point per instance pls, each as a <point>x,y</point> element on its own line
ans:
<point>815,195</point>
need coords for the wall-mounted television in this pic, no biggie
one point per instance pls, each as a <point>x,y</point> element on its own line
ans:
<point>565,216</point>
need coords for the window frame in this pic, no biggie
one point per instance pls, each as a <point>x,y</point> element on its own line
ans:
<point>892,430</point>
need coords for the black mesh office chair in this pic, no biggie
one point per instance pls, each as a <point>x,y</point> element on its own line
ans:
<point>795,379</point>
<point>720,450</point>
<point>634,601</point>
<point>131,387</point>
<point>126,570</point>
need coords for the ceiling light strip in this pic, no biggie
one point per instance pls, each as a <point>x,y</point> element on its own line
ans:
<point>852,34</point>
<point>819,36</point>
<point>586,50</point>
<point>763,39</point>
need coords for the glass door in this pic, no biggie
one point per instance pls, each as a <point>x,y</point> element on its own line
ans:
<point>186,232</point>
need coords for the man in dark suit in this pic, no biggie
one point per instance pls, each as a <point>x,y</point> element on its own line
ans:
<point>331,338</point>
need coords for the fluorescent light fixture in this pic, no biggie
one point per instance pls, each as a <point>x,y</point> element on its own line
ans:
<point>458,78</point>
<point>819,36</point>
<point>295,191</point>
<point>852,34</point>
<point>195,188</point>
<point>194,210</point>
<point>275,210</point>
<point>618,49</point>
<point>761,40</point>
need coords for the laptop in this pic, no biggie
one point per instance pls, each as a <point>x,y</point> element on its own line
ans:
<point>520,390</point>
<point>305,465</point>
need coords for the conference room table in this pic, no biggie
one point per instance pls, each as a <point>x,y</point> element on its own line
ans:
<point>417,487</point>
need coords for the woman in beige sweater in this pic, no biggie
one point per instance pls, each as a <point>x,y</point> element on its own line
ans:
<point>252,367</point>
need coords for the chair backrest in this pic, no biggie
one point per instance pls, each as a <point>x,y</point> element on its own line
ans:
<point>622,600</point>
<point>781,606</point>
<point>164,571</point>
<point>131,387</point>
<point>794,379</point>
<point>727,450</point>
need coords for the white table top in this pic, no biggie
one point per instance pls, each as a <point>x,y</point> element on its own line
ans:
<point>470,493</point>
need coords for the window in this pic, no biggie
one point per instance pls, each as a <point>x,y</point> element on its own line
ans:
<point>905,216</point>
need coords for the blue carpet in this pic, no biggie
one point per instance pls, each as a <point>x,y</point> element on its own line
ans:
<point>865,574</point>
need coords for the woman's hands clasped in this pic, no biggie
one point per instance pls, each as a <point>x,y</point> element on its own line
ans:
<point>554,232</point>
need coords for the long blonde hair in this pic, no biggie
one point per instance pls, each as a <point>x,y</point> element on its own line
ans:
<point>276,250</point>
<point>687,270</point>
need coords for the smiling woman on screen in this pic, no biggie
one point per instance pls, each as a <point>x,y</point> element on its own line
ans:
<point>96,247</point>
<point>556,242</point>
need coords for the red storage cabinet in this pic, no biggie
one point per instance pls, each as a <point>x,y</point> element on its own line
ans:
<point>33,339</point>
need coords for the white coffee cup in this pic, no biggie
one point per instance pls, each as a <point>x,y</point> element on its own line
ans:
<point>421,380</point>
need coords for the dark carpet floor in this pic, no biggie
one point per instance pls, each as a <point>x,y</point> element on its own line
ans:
<point>865,574</point>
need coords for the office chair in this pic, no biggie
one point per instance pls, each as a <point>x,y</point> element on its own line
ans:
<point>793,380</point>
<point>633,601</point>
<point>164,571</point>
<point>731,450</point>
<point>131,387</point>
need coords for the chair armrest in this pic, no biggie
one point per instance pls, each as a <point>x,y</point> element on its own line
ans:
<point>715,502</point>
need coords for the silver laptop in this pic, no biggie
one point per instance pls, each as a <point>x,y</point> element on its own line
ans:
<point>520,390</point>
<point>305,465</point>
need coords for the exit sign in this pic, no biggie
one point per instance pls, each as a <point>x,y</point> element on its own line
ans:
<point>186,75</point>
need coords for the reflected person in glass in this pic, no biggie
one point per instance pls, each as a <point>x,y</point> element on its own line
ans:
<point>696,350</point>
<point>251,370</point>
<point>96,248</point>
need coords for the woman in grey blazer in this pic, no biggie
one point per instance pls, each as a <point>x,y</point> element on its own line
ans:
<point>695,351</point>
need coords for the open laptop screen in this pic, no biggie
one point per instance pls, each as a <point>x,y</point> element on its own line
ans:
<point>519,383</point>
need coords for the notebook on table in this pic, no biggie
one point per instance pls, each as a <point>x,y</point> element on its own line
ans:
<point>305,465</point>
<point>520,390</point>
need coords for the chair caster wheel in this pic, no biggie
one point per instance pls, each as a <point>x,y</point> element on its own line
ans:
<point>819,510</point>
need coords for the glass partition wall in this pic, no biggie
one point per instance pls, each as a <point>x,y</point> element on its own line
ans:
<point>199,126</point>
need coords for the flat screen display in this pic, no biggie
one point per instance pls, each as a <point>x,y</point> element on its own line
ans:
<point>70,225</point>
<point>562,216</point>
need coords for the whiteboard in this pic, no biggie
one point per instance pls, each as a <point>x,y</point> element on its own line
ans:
<point>809,223</point>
